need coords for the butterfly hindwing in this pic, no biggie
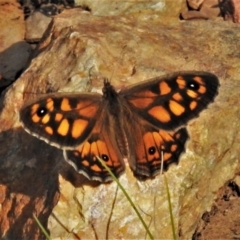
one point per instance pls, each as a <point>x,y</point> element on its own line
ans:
<point>170,101</point>
<point>102,143</point>
<point>149,146</point>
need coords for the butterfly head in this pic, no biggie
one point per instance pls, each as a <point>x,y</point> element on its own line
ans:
<point>109,91</point>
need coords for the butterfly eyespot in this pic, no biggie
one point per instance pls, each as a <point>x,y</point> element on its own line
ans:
<point>193,85</point>
<point>152,150</point>
<point>42,112</point>
<point>105,157</point>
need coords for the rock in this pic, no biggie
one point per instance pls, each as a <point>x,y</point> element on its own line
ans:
<point>195,4</point>
<point>206,9</point>
<point>125,49</point>
<point>211,8</point>
<point>14,52</point>
<point>164,8</point>
<point>36,25</point>
<point>48,8</point>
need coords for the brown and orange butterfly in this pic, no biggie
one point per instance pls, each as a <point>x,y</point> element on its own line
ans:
<point>138,122</point>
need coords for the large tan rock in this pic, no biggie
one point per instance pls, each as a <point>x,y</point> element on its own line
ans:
<point>80,47</point>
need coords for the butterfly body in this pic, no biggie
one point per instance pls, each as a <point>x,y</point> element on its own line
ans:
<point>139,122</point>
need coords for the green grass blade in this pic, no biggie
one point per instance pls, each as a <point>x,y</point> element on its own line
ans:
<point>169,199</point>
<point>42,228</point>
<point>170,209</point>
<point>127,196</point>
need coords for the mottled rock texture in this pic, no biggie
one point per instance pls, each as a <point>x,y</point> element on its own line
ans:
<point>81,49</point>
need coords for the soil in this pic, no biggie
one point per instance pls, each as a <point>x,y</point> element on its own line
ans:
<point>223,221</point>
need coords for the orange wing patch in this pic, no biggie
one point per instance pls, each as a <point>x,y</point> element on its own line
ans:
<point>35,118</point>
<point>49,130</point>
<point>177,96</point>
<point>193,105</point>
<point>192,94</point>
<point>176,108</point>
<point>202,89</point>
<point>63,127</point>
<point>58,117</point>
<point>199,80</point>
<point>78,127</point>
<point>160,113</point>
<point>50,104</point>
<point>46,119</point>
<point>181,82</point>
<point>65,105</point>
<point>88,112</point>
<point>164,88</point>
<point>141,103</point>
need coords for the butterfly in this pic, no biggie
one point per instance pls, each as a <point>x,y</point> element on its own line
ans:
<point>144,122</point>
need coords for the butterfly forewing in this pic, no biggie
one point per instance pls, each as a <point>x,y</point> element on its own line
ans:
<point>64,121</point>
<point>171,101</point>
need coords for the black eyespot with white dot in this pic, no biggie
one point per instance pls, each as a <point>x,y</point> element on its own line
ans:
<point>193,85</point>
<point>41,112</point>
<point>105,157</point>
<point>151,150</point>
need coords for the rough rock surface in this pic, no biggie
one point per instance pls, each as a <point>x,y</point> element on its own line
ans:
<point>164,8</point>
<point>128,49</point>
<point>201,9</point>
<point>36,25</point>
